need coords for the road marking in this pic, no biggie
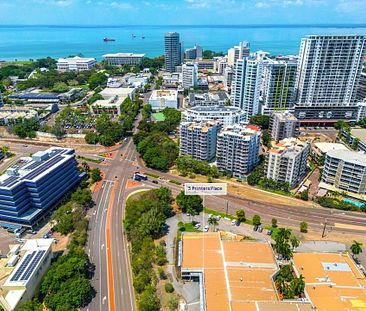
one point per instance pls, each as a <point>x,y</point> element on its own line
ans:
<point>110,282</point>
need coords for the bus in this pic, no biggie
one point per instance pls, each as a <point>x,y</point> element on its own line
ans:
<point>138,176</point>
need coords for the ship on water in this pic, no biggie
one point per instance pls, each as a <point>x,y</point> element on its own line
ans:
<point>108,39</point>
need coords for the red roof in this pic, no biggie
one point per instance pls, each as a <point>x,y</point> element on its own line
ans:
<point>253,127</point>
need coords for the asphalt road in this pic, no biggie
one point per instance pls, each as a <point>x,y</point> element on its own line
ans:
<point>107,245</point>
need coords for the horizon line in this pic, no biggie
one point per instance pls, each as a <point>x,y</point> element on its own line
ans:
<point>344,25</point>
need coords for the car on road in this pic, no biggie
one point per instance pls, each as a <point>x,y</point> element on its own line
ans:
<point>260,229</point>
<point>233,222</point>
<point>155,182</point>
<point>205,229</point>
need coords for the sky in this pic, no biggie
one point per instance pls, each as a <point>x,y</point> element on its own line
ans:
<point>181,12</point>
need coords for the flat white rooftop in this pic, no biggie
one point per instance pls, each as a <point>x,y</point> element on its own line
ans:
<point>109,92</point>
<point>76,59</point>
<point>166,94</point>
<point>123,55</point>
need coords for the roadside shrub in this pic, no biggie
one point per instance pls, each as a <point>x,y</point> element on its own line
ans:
<point>169,287</point>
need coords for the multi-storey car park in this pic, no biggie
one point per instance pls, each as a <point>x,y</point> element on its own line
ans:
<point>31,187</point>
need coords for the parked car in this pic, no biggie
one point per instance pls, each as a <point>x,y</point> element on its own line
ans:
<point>205,229</point>
<point>197,225</point>
<point>233,222</point>
<point>260,229</point>
<point>269,232</point>
<point>255,228</point>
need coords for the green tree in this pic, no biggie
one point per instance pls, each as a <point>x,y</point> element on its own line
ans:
<point>260,120</point>
<point>282,243</point>
<point>256,220</point>
<point>189,201</point>
<point>95,175</point>
<point>303,227</point>
<point>149,301</point>
<point>294,241</point>
<point>304,195</point>
<point>212,221</point>
<point>274,223</point>
<point>92,138</point>
<point>355,143</point>
<point>97,79</point>
<point>356,248</point>
<point>58,130</point>
<point>173,303</point>
<point>266,138</point>
<point>169,287</point>
<point>240,215</point>
<point>60,87</point>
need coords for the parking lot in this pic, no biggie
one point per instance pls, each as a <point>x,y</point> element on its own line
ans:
<point>228,226</point>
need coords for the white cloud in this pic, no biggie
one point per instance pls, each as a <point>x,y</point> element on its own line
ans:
<point>350,6</point>
<point>262,5</point>
<point>121,5</point>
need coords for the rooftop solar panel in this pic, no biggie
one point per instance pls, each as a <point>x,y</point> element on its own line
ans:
<point>33,165</point>
<point>23,266</point>
<point>29,270</point>
<point>9,180</point>
<point>44,167</point>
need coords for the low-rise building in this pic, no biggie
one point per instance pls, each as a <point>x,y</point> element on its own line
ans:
<point>32,262</point>
<point>287,161</point>
<point>16,114</point>
<point>319,150</point>
<point>112,100</point>
<point>225,115</point>
<point>345,170</point>
<point>161,99</point>
<point>332,280</point>
<point>120,59</point>
<point>206,64</point>
<point>198,140</point>
<point>233,275</point>
<point>356,138</point>
<point>75,64</point>
<point>207,99</point>
<point>32,186</point>
<point>237,151</point>
<point>283,125</point>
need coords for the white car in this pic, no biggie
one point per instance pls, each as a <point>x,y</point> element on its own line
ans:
<point>197,225</point>
<point>209,216</point>
<point>233,222</point>
<point>205,229</point>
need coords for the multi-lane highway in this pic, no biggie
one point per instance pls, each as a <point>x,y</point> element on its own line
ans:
<point>107,245</point>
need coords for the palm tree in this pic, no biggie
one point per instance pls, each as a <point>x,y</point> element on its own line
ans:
<point>212,221</point>
<point>356,248</point>
<point>294,241</point>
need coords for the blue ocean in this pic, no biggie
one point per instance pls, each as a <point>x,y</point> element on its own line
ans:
<point>31,42</point>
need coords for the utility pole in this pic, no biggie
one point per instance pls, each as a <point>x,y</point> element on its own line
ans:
<point>325,226</point>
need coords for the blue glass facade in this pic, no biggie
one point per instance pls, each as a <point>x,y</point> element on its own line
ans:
<point>30,191</point>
